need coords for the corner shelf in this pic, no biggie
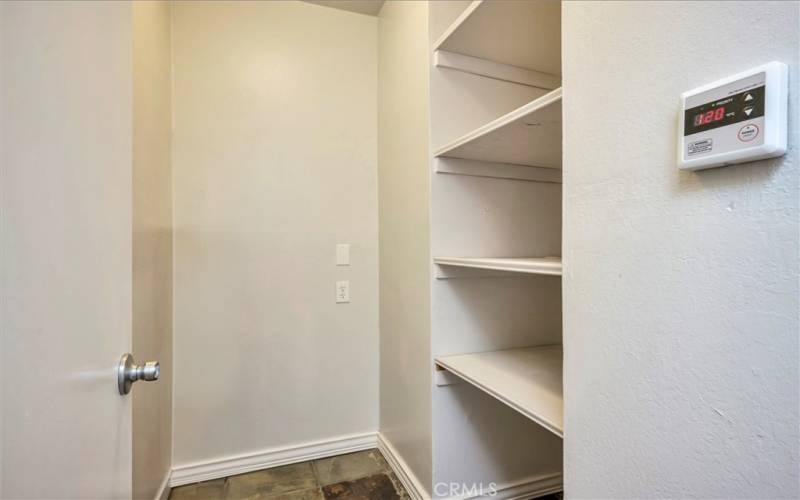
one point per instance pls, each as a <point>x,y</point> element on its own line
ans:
<point>522,34</point>
<point>528,380</point>
<point>529,136</point>
<point>535,265</point>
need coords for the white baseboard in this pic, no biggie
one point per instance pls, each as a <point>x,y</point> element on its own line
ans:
<point>527,488</point>
<point>406,476</point>
<point>163,490</point>
<point>239,464</point>
<point>531,487</point>
<point>273,457</point>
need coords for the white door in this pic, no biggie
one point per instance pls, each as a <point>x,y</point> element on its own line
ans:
<point>65,182</point>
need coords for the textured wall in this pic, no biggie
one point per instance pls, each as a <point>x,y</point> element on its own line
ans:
<point>274,161</point>
<point>681,289</point>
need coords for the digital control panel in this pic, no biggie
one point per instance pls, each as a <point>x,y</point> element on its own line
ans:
<point>737,119</point>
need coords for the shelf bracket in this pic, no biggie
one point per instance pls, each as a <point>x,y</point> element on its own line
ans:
<point>442,377</point>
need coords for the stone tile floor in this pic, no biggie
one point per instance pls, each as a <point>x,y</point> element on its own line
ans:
<point>356,476</point>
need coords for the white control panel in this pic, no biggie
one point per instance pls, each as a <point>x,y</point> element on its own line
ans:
<point>737,119</point>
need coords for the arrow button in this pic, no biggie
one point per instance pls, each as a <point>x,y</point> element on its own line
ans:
<point>748,97</point>
<point>748,110</point>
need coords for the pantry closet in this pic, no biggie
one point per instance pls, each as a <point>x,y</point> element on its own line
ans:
<point>495,92</point>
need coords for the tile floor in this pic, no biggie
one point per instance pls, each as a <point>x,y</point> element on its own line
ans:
<point>356,476</point>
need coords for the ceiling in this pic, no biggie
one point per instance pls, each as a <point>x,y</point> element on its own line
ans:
<point>368,7</point>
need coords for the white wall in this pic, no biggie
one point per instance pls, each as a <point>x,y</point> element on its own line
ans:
<point>681,289</point>
<point>404,195</point>
<point>274,162</point>
<point>152,243</point>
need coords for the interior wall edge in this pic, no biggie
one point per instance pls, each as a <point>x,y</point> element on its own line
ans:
<point>172,216</point>
<point>404,473</point>
<point>404,233</point>
<point>152,262</point>
<point>164,490</point>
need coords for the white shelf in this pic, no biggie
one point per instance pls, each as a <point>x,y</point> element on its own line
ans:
<point>528,380</point>
<point>495,70</point>
<point>530,136</point>
<point>539,265</point>
<point>526,34</point>
<point>457,166</point>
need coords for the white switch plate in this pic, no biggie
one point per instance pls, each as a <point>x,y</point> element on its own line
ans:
<point>343,254</point>
<point>342,292</point>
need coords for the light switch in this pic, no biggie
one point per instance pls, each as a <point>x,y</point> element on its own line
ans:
<point>342,292</point>
<point>343,254</point>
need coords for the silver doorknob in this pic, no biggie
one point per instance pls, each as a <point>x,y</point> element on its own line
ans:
<point>128,372</point>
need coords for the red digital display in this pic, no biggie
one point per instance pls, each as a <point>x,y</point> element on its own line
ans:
<point>744,106</point>
<point>710,116</point>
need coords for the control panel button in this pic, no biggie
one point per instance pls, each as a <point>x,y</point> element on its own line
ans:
<point>748,97</point>
<point>748,110</point>
<point>748,132</point>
